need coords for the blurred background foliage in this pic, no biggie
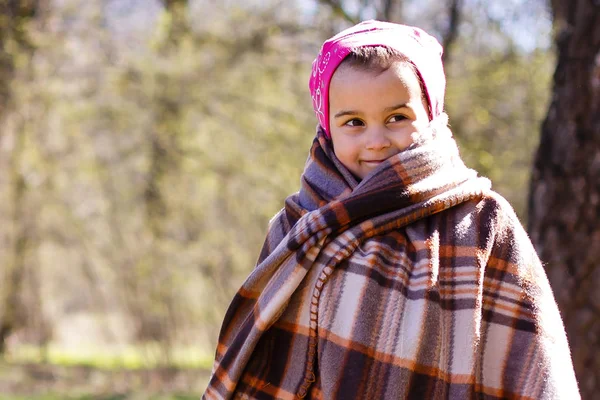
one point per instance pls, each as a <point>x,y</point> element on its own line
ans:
<point>144,146</point>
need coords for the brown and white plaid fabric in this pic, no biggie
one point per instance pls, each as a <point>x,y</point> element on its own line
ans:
<point>416,283</point>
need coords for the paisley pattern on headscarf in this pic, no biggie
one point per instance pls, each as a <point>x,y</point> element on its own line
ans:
<point>420,48</point>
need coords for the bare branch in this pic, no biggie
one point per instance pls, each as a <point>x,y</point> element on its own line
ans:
<point>172,4</point>
<point>455,15</point>
<point>386,12</point>
<point>339,10</point>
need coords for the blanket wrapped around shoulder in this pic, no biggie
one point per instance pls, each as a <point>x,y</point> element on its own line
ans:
<point>416,282</point>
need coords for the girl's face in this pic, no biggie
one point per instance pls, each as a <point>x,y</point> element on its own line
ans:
<point>374,116</point>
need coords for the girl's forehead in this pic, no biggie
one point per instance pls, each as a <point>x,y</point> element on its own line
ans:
<point>398,74</point>
<point>344,70</point>
<point>355,84</point>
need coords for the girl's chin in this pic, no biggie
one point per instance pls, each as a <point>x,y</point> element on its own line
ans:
<point>365,168</point>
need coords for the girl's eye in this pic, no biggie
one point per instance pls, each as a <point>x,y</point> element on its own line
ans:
<point>354,122</point>
<point>397,118</point>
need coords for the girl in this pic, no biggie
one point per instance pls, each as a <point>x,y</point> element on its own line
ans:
<point>395,272</point>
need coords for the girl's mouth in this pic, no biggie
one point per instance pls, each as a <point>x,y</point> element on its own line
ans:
<point>372,162</point>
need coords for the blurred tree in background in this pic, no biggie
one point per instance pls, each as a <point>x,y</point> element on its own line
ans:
<point>16,52</point>
<point>145,145</point>
<point>565,189</point>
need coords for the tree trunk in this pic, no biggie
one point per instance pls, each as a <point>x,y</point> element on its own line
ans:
<point>389,10</point>
<point>564,200</point>
<point>14,43</point>
<point>179,25</point>
<point>14,15</point>
<point>163,139</point>
<point>164,158</point>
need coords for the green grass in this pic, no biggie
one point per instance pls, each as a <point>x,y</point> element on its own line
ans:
<point>132,357</point>
<point>107,397</point>
<point>95,374</point>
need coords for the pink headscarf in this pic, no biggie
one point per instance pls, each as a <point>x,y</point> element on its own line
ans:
<point>420,48</point>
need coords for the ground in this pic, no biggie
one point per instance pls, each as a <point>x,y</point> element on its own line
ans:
<point>37,381</point>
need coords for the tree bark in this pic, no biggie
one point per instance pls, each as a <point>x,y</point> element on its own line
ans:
<point>564,199</point>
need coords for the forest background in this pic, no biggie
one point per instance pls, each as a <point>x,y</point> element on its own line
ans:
<point>145,144</point>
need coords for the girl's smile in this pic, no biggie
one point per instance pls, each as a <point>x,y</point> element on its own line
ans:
<point>374,115</point>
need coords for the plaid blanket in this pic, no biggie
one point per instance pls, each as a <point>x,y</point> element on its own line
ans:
<point>416,282</point>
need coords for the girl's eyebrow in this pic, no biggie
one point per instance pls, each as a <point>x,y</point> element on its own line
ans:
<point>353,112</point>
<point>345,112</point>
<point>392,108</point>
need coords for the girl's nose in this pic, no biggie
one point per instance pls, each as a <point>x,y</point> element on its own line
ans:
<point>377,139</point>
